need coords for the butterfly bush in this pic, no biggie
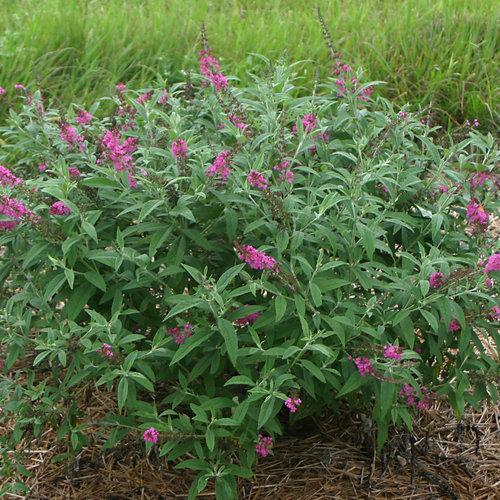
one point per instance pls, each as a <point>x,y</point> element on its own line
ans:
<point>300,258</point>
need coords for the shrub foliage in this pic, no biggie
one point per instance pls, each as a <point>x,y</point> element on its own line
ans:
<point>226,260</point>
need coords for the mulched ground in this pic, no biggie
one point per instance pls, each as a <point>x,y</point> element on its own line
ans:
<point>326,459</point>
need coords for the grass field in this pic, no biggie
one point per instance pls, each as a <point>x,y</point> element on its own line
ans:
<point>439,50</point>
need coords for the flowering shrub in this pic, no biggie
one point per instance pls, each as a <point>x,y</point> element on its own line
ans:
<point>225,259</point>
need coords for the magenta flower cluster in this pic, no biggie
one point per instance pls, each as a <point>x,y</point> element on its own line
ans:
<point>454,326</point>
<point>84,117</point>
<point>220,167</point>
<point>151,435</point>
<point>475,123</point>
<point>74,173</point>
<point>107,351</point>
<point>293,404</point>
<point>410,395</point>
<point>7,178</point>
<point>120,153</point>
<point>210,67</point>
<point>237,121</point>
<point>347,83</point>
<point>144,98</point>
<point>364,366</point>
<point>257,180</point>
<point>179,148</point>
<point>477,216</point>
<point>263,447</point>
<point>392,352</point>
<point>180,335</point>
<point>478,179</point>
<point>436,280</point>
<point>164,97</point>
<point>71,137</point>
<point>285,171</point>
<point>493,263</point>
<point>59,208</point>
<point>249,319</point>
<point>120,87</point>
<point>309,123</point>
<point>257,259</point>
<point>14,211</point>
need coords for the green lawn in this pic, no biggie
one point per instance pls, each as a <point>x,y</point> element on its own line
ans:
<point>439,50</point>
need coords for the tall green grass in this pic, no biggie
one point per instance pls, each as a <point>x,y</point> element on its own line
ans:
<point>439,51</point>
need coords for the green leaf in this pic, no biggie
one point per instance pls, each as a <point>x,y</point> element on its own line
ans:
<point>70,277</point>
<point>90,230</point>
<point>53,286</point>
<point>210,439</point>
<point>230,336</point>
<point>122,392</point>
<point>367,238</point>
<point>157,239</point>
<point>185,302</point>
<point>96,279</point>
<point>313,369</point>
<point>225,488</point>
<point>142,380</point>
<point>431,319</point>
<point>228,276</point>
<point>240,380</point>
<point>193,342</point>
<point>266,411</point>
<point>315,294</point>
<point>100,182</point>
<point>148,207</point>
<point>353,382</point>
<point>77,301</point>
<point>280,307</point>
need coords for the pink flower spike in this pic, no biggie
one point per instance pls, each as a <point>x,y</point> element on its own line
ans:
<point>495,313</point>
<point>120,87</point>
<point>454,326</point>
<point>84,117</point>
<point>151,435</point>
<point>7,178</point>
<point>287,176</point>
<point>478,179</point>
<point>107,351</point>
<point>59,208</point>
<point>163,99</point>
<point>392,352</point>
<point>2,91</point>
<point>70,136</point>
<point>42,167</point>
<point>257,180</point>
<point>364,366</point>
<point>220,167</point>
<point>74,173</point>
<point>19,86</point>
<point>14,210</point>
<point>143,98</point>
<point>436,280</point>
<point>292,404</point>
<point>180,335</point>
<point>477,216</point>
<point>257,259</point>
<point>493,263</point>
<point>262,448</point>
<point>179,148</point>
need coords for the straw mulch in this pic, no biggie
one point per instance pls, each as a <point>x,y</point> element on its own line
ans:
<point>331,458</point>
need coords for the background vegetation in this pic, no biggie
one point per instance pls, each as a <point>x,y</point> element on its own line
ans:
<point>439,51</point>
